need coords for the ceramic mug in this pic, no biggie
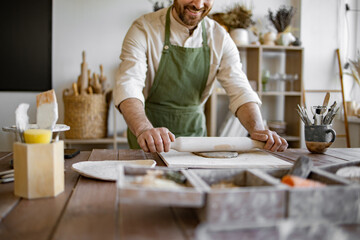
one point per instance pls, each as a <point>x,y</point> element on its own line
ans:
<point>319,137</point>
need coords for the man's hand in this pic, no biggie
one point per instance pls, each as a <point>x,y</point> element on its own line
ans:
<point>250,117</point>
<point>150,139</point>
<point>155,140</point>
<point>273,141</point>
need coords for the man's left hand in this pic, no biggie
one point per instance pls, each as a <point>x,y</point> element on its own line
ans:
<point>273,141</point>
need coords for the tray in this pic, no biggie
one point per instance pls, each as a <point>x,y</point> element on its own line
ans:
<point>279,230</point>
<point>259,198</point>
<point>334,167</point>
<point>128,192</point>
<point>337,202</point>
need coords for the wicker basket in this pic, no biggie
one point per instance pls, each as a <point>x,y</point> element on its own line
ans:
<point>87,116</point>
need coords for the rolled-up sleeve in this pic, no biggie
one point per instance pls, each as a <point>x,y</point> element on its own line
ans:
<point>233,79</point>
<point>131,74</point>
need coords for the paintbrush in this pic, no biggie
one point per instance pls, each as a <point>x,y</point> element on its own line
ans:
<point>47,110</point>
<point>22,120</point>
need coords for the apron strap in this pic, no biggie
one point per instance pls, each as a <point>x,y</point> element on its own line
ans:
<point>204,36</point>
<point>167,32</point>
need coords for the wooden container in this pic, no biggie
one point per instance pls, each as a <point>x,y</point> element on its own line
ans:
<point>337,202</point>
<point>39,169</point>
<point>257,197</point>
<point>189,196</point>
<point>333,168</point>
<point>287,229</point>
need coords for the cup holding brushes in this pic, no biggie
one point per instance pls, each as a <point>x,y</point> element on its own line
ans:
<point>39,162</point>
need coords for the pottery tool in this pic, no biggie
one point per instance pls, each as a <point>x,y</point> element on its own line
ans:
<point>215,144</point>
<point>325,103</point>
<point>75,89</point>
<point>96,84</point>
<point>102,77</point>
<point>22,120</point>
<point>302,167</point>
<point>47,110</point>
<point>7,176</point>
<point>331,114</point>
<point>318,115</point>
<point>303,115</point>
<point>84,74</point>
<point>294,181</point>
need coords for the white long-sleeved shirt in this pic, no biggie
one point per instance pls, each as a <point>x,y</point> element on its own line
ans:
<point>142,49</point>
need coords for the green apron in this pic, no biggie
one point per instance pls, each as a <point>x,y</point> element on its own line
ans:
<point>174,100</point>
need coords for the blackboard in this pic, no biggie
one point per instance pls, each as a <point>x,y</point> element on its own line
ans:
<point>25,44</point>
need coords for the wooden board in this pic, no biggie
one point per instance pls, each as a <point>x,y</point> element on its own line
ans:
<point>253,159</point>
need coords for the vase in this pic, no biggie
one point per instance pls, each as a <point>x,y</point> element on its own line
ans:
<point>269,38</point>
<point>240,36</point>
<point>285,39</point>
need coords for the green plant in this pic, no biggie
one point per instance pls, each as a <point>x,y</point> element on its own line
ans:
<point>237,16</point>
<point>282,19</point>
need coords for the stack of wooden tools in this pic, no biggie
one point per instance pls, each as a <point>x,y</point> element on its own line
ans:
<point>86,104</point>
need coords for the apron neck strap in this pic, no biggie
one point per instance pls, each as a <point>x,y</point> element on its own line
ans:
<point>167,30</point>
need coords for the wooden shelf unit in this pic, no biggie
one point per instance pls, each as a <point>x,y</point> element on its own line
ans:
<point>254,59</point>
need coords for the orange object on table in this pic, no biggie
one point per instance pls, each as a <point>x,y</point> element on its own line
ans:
<point>295,181</point>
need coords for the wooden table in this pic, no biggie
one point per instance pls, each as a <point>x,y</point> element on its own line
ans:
<point>87,208</point>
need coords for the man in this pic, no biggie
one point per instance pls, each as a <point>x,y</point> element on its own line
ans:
<point>170,59</point>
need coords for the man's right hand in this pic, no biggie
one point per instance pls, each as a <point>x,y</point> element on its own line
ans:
<point>155,140</point>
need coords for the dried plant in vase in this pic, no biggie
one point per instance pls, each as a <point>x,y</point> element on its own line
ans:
<point>281,21</point>
<point>157,5</point>
<point>238,16</point>
<point>238,19</point>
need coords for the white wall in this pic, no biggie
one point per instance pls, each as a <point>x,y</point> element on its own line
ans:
<point>98,27</point>
<point>324,30</point>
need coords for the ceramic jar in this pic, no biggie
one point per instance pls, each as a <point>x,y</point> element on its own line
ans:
<point>285,39</point>
<point>240,36</point>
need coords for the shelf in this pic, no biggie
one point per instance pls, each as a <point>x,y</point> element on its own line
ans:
<point>277,104</point>
<point>221,91</point>
<point>267,47</point>
<point>273,93</point>
<point>96,141</point>
<point>352,119</point>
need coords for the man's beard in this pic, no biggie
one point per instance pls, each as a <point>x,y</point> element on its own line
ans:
<point>187,19</point>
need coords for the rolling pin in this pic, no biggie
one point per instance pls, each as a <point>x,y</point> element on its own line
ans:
<point>215,144</point>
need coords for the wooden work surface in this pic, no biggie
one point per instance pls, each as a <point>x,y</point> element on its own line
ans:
<point>87,208</point>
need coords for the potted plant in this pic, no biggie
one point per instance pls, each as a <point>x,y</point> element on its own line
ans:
<point>238,19</point>
<point>281,21</point>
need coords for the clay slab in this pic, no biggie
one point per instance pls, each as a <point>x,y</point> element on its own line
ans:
<point>252,159</point>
